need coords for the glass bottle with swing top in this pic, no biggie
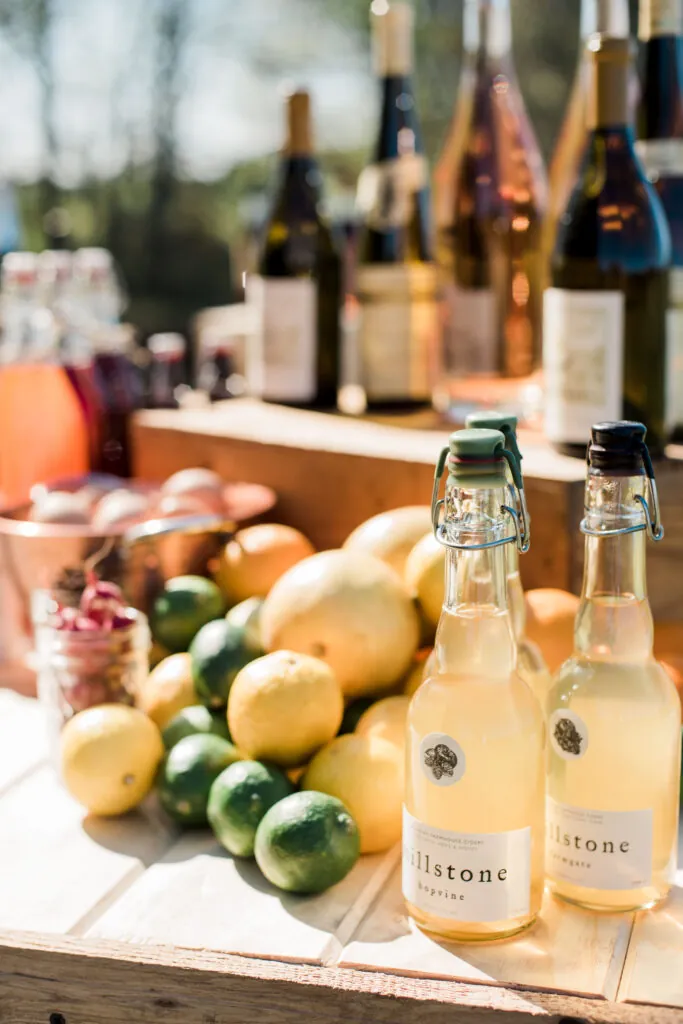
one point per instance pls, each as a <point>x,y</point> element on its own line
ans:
<point>530,661</point>
<point>614,717</point>
<point>473,832</point>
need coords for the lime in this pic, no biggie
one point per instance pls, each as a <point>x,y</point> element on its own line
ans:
<point>218,652</point>
<point>353,713</point>
<point>181,609</point>
<point>247,616</point>
<point>307,842</point>
<point>193,720</point>
<point>239,798</point>
<point>187,774</point>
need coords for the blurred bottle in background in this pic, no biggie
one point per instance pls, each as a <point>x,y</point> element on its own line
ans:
<point>121,391</point>
<point>294,355</point>
<point>43,432</point>
<point>396,281</point>
<point>660,147</point>
<point>608,17</point>
<point>166,370</point>
<point>490,200</point>
<point>217,375</point>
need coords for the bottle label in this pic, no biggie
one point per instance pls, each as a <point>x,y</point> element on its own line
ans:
<point>465,876</point>
<point>660,18</point>
<point>442,759</point>
<point>661,158</point>
<point>582,361</point>
<point>568,734</point>
<point>281,362</point>
<point>386,191</point>
<point>598,849</point>
<point>398,329</point>
<point>471,331</point>
<point>674,350</point>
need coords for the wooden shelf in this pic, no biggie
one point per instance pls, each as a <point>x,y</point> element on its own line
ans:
<point>332,472</point>
<point>126,920</point>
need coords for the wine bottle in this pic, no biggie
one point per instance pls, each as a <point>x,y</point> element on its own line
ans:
<point>609,17</point>
<point>491,196</point>
<point>396,277</point>
<point>605,314</point>
<point>294,354</point>
<point>614,717</point>
<point>660,146</point>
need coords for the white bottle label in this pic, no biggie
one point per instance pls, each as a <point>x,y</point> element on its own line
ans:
<point>281,361</point>
<point>660,18</point>
<point>386,191</point>
<point>661,158</point>
<point>598,849</point>
<point>471,330</point>
<point>674,350</point>
<point>398,329</point>
<point>568,734</point>
<point>583,346</point>
<point>466,877</point>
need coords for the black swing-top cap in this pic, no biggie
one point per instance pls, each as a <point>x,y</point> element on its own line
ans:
<point>618,447</point>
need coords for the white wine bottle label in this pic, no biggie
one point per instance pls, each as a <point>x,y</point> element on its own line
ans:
<point>398,330</point>
<point>598,849</point>
<point>661,158</point>
<point>583,343</point>
<point>386,191</point>
<point>471,331</point>
<point>281,361</point>
<point>674,350</point>
<point>660,18</point>
<point>464,876</point>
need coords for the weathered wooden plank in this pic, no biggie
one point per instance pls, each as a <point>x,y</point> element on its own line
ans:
<point>61,868</point>
<point>199,897</point>
<point>83,981</point>
<point>565,951</point>
<point>654,964</point>
<point>23,737</point>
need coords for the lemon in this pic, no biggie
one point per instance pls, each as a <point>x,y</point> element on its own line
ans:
<point>109,755</point>
<point>283,707</point>
<point>168,689</point>
<point>386,719</point>
<point>392,535</point>
<point>424,576</point>
<point>366,774</point>
<point>257,556</point>
<point>352,611</point>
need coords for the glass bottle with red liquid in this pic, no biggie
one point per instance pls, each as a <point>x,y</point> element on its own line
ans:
<point>121,392</point>
<point>166,370</point>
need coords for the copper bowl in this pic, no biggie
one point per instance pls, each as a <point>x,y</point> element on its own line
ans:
<point>43,556</point>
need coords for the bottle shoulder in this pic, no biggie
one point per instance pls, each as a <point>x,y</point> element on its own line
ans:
<point>582,679</point>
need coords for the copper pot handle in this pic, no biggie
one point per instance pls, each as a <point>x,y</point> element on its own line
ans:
<point>184,524</point>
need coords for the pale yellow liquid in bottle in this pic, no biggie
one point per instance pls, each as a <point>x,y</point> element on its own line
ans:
<point>632,760</point>
<point>531,665</point>
<point>477,698</point>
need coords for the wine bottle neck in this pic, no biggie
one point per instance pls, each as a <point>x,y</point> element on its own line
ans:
<point>298,140</point>
<point>392,35</point>
<point>660,18</point>
<point>610,17</point>
<point>487,28</point>
<point>608,98</point>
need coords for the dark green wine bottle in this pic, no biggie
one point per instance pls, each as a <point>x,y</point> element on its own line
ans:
<point>604,326</point>
<point>294,355</point>
<point>396,276</point>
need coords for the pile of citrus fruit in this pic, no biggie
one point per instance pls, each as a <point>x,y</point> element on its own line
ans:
<point>275,712</point>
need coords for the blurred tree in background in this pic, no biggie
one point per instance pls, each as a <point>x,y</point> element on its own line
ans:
<point>149,126</point>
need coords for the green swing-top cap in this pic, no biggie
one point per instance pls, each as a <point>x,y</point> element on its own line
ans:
<point>475,458</point>
<point>505,422</point>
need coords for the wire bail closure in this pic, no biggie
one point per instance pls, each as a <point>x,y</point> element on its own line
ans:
<point>653,521</point>
<point>517,509</point>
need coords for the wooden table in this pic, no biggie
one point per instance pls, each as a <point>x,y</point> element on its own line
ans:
<point>128,922</point>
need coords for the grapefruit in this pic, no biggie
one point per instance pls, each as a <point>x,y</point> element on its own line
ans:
<point>392,535</point>
<point>258,556</point>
